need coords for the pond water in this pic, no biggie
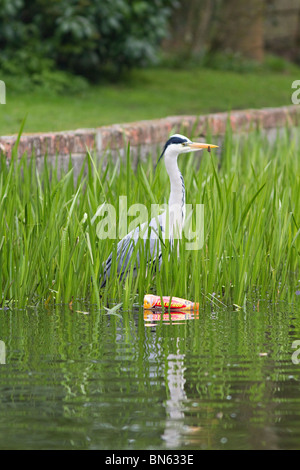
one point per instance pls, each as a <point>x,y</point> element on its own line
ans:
<point>84,379</point>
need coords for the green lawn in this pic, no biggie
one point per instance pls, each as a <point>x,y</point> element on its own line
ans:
<point>148,94</point>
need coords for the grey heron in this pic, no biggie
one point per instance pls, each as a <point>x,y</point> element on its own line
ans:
<point>168,225</point>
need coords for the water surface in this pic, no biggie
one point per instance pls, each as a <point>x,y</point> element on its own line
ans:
<point>85,379</point>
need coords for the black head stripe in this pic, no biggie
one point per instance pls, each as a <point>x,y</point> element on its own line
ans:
<point>173,140</point>
<point>160,158</point>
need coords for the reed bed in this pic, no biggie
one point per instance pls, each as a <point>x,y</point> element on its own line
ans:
<point>50,251</point>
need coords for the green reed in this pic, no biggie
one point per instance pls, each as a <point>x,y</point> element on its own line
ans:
<point>50,251</point>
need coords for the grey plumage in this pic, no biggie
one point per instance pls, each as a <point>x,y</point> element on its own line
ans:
<point>168,225</point>
<point>126,246</point>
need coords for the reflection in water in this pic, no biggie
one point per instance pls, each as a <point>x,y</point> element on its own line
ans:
<point>107,381</point>
<point>175,427</point>
<point>174,405</point>
<point>247,402</point>
<point>173,316</point>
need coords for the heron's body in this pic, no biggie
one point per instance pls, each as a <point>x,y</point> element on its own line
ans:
<point>166,225</point>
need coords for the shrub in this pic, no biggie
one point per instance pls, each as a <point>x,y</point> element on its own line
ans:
<point>89,38</point>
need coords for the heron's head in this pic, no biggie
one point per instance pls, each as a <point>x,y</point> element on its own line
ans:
<point>178,144</point>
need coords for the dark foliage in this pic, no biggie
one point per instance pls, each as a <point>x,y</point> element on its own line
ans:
<point>90,38</point>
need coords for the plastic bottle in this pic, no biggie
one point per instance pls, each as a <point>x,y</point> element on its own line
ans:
<point>152,302</point>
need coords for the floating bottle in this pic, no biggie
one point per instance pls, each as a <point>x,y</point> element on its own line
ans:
<point>153,302</point>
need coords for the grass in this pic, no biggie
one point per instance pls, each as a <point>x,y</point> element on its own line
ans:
<point>147,94</point>
<point>49,249</point>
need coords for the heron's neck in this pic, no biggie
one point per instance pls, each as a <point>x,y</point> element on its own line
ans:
<point>177,194</point>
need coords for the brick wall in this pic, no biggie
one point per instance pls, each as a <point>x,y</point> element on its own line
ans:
<point>145,136</point>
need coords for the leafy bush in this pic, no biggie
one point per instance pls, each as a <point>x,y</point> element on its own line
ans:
<point>91,38</point>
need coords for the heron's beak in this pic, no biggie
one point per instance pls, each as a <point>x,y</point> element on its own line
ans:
<point>197,145</point>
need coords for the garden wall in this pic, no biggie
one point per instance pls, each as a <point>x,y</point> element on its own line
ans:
<point>145,136</point>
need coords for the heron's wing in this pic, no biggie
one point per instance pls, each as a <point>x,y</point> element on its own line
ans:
<point>124,252</point>
<point>154,232</point>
